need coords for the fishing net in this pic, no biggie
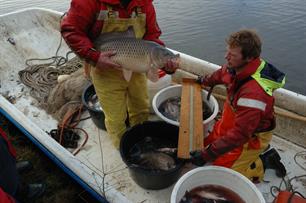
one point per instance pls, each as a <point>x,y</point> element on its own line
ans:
<point>54,96</point>
<point>66,94</point>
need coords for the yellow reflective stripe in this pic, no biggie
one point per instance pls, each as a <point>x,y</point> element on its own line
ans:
<point>253,103</point>
<point>267,85</point>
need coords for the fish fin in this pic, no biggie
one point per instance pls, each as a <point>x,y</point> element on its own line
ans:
<point>127,74</point>
<point>152,74</point>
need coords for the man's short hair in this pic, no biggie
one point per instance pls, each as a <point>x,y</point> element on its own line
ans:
<point>247,40</point>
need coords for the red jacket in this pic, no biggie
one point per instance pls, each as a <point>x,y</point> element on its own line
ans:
<point>6,198</point>
<point>247,120</point>
<point>80,26</point>
<point>10,146</point>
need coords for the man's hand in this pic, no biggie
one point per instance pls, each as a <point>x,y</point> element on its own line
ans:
<point>196,158</point>
<point>171,66</point>
<point>105,61</point>
<point>203,82</point>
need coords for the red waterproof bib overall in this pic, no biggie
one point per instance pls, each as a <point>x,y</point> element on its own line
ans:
<point>244,159</point>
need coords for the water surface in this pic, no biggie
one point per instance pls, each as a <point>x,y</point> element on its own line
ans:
<point>199,28</point>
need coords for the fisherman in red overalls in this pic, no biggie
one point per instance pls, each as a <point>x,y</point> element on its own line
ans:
<point>245,129</point>
<point>84,22</point>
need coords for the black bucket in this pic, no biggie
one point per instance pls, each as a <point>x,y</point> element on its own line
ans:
<point>96,115</point>
<point>151,179</point>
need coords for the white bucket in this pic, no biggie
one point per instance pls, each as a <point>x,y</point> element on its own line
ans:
<point>153,87</point>
<point>176,91</point>
<point>216,175</point>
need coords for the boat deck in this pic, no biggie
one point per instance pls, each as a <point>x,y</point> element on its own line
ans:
<point>116,172</point>
<point>107,174</point>
<point>294,159</point>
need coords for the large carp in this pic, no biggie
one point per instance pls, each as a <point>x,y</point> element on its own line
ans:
<point>134,55</point>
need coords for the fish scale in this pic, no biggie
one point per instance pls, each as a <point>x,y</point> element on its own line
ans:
<point>127,48</point>
<point>134,54</point>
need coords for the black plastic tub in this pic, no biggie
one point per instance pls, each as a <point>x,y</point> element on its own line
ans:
<point>96,115</point>
<point>151,179</point>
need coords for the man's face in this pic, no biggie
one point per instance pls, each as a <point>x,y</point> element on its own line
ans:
<point>234,58</point>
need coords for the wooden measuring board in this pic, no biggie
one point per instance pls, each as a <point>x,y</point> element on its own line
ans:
<point>191,119</point>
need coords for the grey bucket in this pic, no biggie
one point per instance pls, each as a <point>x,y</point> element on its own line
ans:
<point>96,115</point>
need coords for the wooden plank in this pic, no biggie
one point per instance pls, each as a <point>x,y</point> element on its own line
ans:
<point>183,141</point>
<point>191,120</point>
<point>198,118</point>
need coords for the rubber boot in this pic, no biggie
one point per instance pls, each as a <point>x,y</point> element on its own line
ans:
<point>30,191</point>
<point>23,166</point>
<point>271,160</point>
<point>35,190</point>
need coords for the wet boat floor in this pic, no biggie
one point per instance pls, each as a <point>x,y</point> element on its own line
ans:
<point>287,151</point>
<point>294,159</point>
